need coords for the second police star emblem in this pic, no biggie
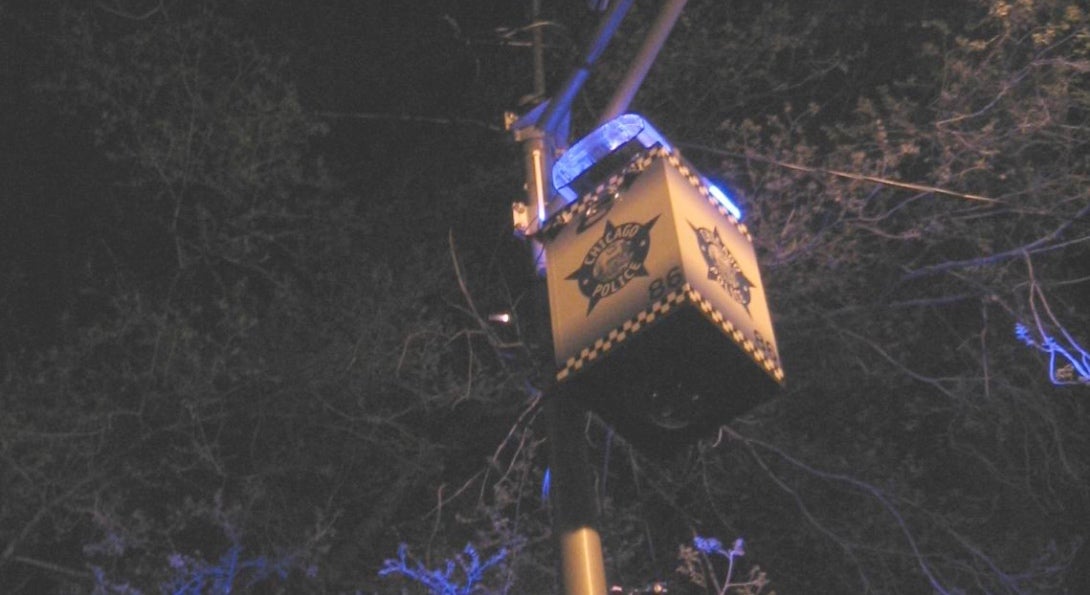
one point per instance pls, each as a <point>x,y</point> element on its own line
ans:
<point>722,266</point>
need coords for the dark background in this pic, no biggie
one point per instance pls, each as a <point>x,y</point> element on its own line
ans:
<point>248,250</point>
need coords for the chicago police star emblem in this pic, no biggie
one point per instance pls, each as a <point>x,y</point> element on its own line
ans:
<point>722,266</point>
<point>614,260</point>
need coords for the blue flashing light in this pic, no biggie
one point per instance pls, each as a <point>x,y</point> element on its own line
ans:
<point>599,144</point>
<point>724,200</point>
<point>545,486</point>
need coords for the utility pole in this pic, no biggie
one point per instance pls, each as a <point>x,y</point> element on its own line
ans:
<point>573,495</point>
<point>637,71</point>
<point>574,501</point>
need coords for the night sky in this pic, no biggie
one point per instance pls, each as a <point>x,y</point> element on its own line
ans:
<point>249,250</point>
<point>437,60</point>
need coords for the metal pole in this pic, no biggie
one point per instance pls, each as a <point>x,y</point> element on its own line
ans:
<point>537,163</point>
<point>575,503</point>
<point>536,146</point>
<point>652,44</point>
<point>561,103</point>
<point>539,50</point>
<point>573,494</point>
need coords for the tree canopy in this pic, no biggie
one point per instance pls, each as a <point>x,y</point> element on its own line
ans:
<point>250,251</point>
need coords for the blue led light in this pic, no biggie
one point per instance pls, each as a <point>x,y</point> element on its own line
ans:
<point>628,130</point>
<point>724,200</point>
<point>545,485</point>
<point>599,144</point>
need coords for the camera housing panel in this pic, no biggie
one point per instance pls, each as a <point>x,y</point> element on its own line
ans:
<point>660,320</point>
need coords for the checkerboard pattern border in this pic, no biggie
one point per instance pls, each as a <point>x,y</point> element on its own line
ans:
<point>629,328</point>
<point>763,355</point>
<point>675,159</point>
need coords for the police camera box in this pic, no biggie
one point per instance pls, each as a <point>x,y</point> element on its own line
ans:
<point>659,317</point>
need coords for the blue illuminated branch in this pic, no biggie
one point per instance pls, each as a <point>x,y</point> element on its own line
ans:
<point>712,546</point>
<point>1067,364</point>
<point>104,586</point>
<point>708,545</point>
<point>196,577</point>
<point>443,582</point>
